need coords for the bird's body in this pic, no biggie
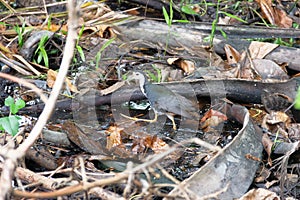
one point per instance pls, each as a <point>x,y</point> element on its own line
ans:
<point>168,101</point>
<point>164,101</point>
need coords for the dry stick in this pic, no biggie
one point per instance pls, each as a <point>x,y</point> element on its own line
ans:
<point>117,178</point>
<point>26,84</point>
<point>60,79</point>
<point>13,155</point>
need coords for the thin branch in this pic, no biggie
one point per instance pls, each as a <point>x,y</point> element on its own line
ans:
<point>11,155</point>
<point>26,84</point>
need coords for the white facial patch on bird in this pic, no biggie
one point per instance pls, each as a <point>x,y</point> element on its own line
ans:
<point>141,78</point>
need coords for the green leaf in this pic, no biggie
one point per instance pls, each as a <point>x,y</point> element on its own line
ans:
<point>14,107</point>
<point>297,100</point>
<point>152,76</point>
<point>9,101</point>
<point>171,12</point>
<point>98,58</point>
<point>166,15</point>
<point>20,103</point>
<point>223,33</point>
<point>41,45</point>
<point>158,71</point>
<point>233,16</point>
<point>107,43</point>
<point>49,22</point>
<point>181,21</point>
<point>104,46</point>
<point>188,9</point>
<point>80,32</point>
<point>45,57</point>
<point>40,57</point>
<point>10,124</point>
<point>81,53</point>
<point>124,77</point>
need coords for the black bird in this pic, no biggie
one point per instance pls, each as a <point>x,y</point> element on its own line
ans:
<point>163,101</point>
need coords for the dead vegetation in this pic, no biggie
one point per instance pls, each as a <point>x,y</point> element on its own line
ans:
<point>65,89</point>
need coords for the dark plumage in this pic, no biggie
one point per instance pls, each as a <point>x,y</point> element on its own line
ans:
<point>164,101</point>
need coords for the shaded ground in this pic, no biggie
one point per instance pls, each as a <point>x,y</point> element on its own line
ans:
<point>238,61</point>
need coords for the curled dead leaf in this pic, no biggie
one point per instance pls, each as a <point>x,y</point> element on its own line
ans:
<point>274,15</point>
<point>114,137</point>
<point>51,77</point>
<point>268,69</point>
<point>233,56</point>
<point>186,65</point>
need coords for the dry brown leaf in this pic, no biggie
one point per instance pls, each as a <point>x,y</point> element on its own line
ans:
<point>212,118</point>
<point>5,49</point>
<point>148,142</point>
<point>257,115</point>
<point>267,144</point>
<point>278,117</point>
<point>54,28</point>
<point>133,11</point>
<point>114,137</point>
<point>261,49</point>
<point>94,10</point>
<point>294,132</point>
<point>267,10</point>
<point>186,65</point>
<point>250,157</point>
<point>105,31</point>
<point>84,139</point>
<point>274,15</point>
<point>268,69</point>
<point>155,143</point>
<point>51,77</point>
<point>281,19</point>
<point>112,88</point>
<point>211,113</point>
<point>260,193</point>
<point>264,173</point>
<point>233,56</point>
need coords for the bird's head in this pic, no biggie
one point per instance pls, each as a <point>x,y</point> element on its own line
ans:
<point>138,75</point>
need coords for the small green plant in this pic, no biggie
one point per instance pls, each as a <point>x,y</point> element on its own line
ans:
<point>10,124</point>
<point>211,37</point>
<point>153,77</point>
<point>20,32</point>
<point>169,20</point>
<point>78,47</point>
<point>104,46</point>
<point>188,9</point>
<point>297,100</point>
<point>49,22</point>
<point>233,16</point>
<point>168,17</point>
<point>41,51</point>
